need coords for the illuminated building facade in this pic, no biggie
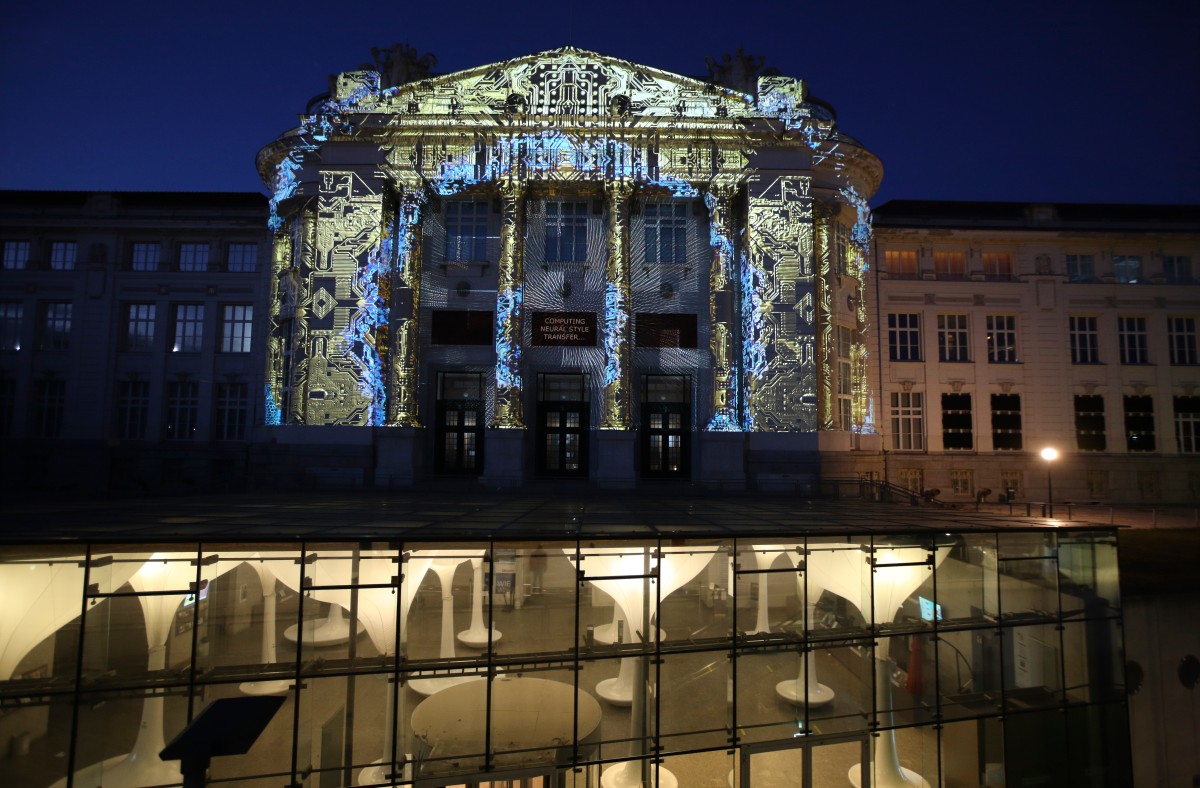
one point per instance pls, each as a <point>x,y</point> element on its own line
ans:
<point>568,265</point>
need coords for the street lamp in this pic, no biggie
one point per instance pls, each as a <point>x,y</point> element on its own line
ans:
<point>1050,455</point>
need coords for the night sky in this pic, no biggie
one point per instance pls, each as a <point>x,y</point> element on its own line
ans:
<point>1047,100</point>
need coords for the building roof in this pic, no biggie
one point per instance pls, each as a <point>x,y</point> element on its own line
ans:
<point>398,516</point>
<point>1037,216</point>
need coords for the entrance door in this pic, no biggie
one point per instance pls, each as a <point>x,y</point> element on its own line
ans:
<point>458,433</point>
<point>667,426</point>
<point>806,761</point>
<point>563,416</point>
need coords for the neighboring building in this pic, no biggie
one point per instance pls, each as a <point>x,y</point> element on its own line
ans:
<point>130,338</point>
<point>1005,328</point>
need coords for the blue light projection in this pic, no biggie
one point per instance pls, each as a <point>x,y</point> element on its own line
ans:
<point>860,233</point>
<point>508,347</point>
<point>285,185</point>
<point>616,317</point>
<point>272,417</point>
<point>754,349</point>
<point>363,329</point>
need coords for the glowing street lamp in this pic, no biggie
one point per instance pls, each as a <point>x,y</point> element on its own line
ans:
<point>1050,455</point>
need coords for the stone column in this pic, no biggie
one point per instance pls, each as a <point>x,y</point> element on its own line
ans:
<point>508,412</point>
<point>825,218</point>
<point>304,251</point>
<point>403,382</point>
<point>617,411</point>
<point>281,260</point>
<point>720,309</point>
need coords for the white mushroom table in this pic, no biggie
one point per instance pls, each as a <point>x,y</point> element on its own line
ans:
<point>531,719</point>
<point>267,578</point>
<point>805,690</point>
<point>478,635</point>
<point>444,565</point>
<point>334,630</point>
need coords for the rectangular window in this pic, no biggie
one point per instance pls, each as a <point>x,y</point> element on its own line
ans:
<point>908,421</point>
<point>55,325</point>
<point>1187,424</point>
<point>845,378</point>
<point>962,481</point>
<point>900,264</point>
<point>461,327</point>
<point>843,249</point>
<point>659,329</point>
<point>1181,339</point>
<point>1081,268</point>
<point>16,255</point>
<point>953,342</point>
<point>1011,483</point>
<point>8,403</point>
<point>1085,340</point>
<point>913,480</point>
<point>1002,339</point>
<point>237,324</point>
<point>189,328</point>
<point>183,410</point>
<point>133,409</point>
<point>950,265</point>
<point>232,411</point>
<point>957,425</point>
<point>145,257</point>
<point>12,315</point>
<point>1131,334</point>
<point>566,232</point>
<point>1177,269</point>
<point>997,267</point>
<point>466,231</point>
<point>62,255</point>
<point>243,258</point>
<point>1127,269</point>
<point>193,257</point>
<point>1006,422</point>
<point>904,337</point>
<point>49,405</point>
<point>139,327</point>
<point>1089,422</point>
<point>1139,423</point>
<point>666,232</point>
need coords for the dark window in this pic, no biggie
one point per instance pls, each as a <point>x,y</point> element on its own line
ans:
<point>566,232</point>
<point>189,328</point>
<point>666,426</point>
<point>145,257</point>
<point>1085,340</point>
<point>1187,424</point>
<point>49,405</point>
<point>563,415</point>
<point>1006,422</point>
<point>243,258</point>
<point>1002,339</point>
<point>8,401</point>
<point>1139,423</point>
<point>1127,269</point>
<point>237,325</point>
<point>193,257</point>
<point>461,327</point>
<point>666,232</point>
<point>466,231</point>
<point>232,411</point>
<point>953,340</point>
<point>957,427</point>
<point>654,329</point>
<point>904,337</point>
<point>1181,339</point>
<point>55,325</point>
<point>139,327</point>
<point>1131,335</point>
<point>459,429</point>
<point>1177,269</point>
<point>11,314</point>
<point>183,409</point>
<point>133,409</point>
<point>16,255</point>
<point>62,255</point>
<point>1089,422</point>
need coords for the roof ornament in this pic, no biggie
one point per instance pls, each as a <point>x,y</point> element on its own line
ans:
<point>739,71</point>
<point>400,64</point>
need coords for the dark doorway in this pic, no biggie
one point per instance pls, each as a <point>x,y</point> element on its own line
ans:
<point>458,433</point>
<point>563,416</point>
<point>666,428</point>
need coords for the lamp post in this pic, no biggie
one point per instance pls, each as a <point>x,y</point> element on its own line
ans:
<point>1050,455</point>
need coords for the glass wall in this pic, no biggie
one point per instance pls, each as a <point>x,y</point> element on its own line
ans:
<point>961,659</point>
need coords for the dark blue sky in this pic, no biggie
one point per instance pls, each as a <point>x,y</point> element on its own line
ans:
<point>1047,100</point>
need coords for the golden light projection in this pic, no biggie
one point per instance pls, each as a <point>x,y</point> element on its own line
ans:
<point>360,264</point>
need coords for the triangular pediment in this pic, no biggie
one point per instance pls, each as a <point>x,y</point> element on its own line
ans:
<point>566,82</point>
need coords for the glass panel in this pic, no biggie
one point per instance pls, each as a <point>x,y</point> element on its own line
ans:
<point>120,736</point>
<point>469,418</point>
<point>655,452</point>
<point>785,766</point>
<point>656,421</point>
<point>468,460</point>
<point>905,756</point>
<point>571,452</point>
<point>535,599</point>
<point>973,753</point>
<point>450,441</point>
<point>967,590</point>
<point>703,769</point>
<point>572,419</point>
<point>909,695</point>
<point>451,418</point>
<point>552,418</point>
<point>1032,667</point>
<point>844,678</point>
<point>969,663</point>
<point>1094,662</point>
<point>1098,748</point>
<point>1034,749</point>
<point>535,718</point>
<point>1088,567</point>
<point>1028,576</point>
<point>762,714</point>
<point>37,730</point>
<point>675,421</point>
<point>552,442</point>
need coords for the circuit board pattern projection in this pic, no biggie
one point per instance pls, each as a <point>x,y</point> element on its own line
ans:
<point>778,315</point>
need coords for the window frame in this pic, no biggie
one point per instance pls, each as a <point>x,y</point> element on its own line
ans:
<point>16,254</point>
<point>664,228</point>
<point>558,221</point>
<point>910,334</point>
<point>54,331</point>
<point>194,256</point>
<point>1139,424</point>
<point>958,423</point>
<point>140,323</point>
<point>1181,340</point>
<point>1002,339</point>
<point>458,220</point>
<point>954,341</point>
<point>1084,331</point>
<point>147,262</point>
<point>237,261</point>
<point>237,328</point>
<point>63,255</point>
<point>908,421</point>
<point>1133,340</point>
<point>187,332</point>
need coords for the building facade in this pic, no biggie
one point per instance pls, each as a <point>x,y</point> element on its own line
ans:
<point>1006,328</point>
<point>130,357</point>
<point>572,266</point>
